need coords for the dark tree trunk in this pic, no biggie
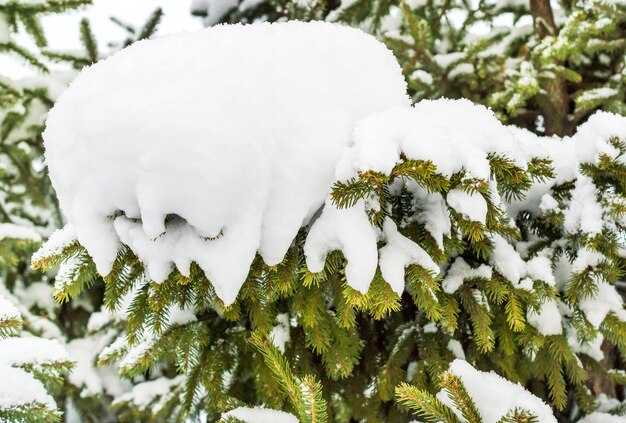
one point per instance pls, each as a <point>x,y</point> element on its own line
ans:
<point>555,104</point>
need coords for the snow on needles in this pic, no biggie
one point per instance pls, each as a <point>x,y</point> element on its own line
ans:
<point>215,157</point>
<point>240,142</point>
<point>494,396</point>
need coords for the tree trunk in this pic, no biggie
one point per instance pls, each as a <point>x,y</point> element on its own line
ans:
<point>554,104</point>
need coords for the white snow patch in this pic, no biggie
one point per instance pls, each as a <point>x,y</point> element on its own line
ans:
<point>398,253</point>
<point>31,350</point>
<point>145,393</point>
<point>280,333</point>
<point>506,260</point>
<point>460,271</point>
<point>277,140</point>
<point>495,396</point>
<point>18,387</point>
<point>350,231</point>
<point>472,206</point>
<point>598,417</point>
<point>260,415</point>
<point>55,244</point>
<point>583,213</point>
<point>547,320</point>
<point>10,230</point>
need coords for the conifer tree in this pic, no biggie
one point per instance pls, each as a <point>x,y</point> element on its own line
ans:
<point>538,66</point>
<point>35,359</point>
<point>311,345</point>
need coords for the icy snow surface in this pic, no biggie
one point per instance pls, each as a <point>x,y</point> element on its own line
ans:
<point>495,396</point>
<point>240,142</point>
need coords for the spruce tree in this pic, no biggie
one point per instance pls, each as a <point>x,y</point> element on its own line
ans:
<point>41,341</point>
<point>308,343</point>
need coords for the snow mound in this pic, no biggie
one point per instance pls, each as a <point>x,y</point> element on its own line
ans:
<point>495,396</point>
<point>229,150</point>
<point>19,388</point>
<point>31,350</point>
<point>454,135</point>
<point>235,142</point>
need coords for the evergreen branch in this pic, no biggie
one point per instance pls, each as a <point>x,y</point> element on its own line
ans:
<point>457,393</point>
<point>425,405</point>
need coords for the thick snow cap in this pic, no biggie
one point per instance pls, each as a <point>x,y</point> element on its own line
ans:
<point>232,132</point>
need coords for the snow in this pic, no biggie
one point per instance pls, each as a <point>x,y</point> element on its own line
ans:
<point>445,60</point>
<point>592,348</point>
<point>422,76</point>
<point>472,206</point>
<point>56,243</point>
<point>8,311</point>
<point>547,320</point>
<point>285,135</point>
<point>350,231</point>
<point>506,260</point>
<point>494,396</point>
<point>548,203</point>
<point>431,210</point>
<point>597,417</point>
<point>31,350</point>
<point>592,137</point>
<point>260,415</point>
<point>540,268</point>
<point>398,253</point>
<point>459,271</point>
<point>215,9</point>
<point>455,347</point>
<point>143,394</point>
<point>10,230</point>
<point>37,294</point>
<point>461,69</point>
<point>597,94</point>
<point>430,328</point>
<point>584,213</point>
<point>606,300</point>
<point>279,334</point>
<point>18,388</point>
<point>424,132</point>
<point>586,258</point>
<point>89,378</point>
<point>411,370</point>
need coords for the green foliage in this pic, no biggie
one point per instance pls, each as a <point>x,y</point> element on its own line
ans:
<point>349,355</point>
<point>431,408</point>
<point>28,209</point>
